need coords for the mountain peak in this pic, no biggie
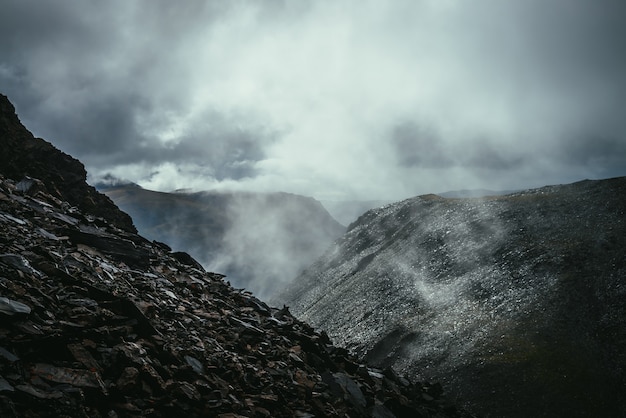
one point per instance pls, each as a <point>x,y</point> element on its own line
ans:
<point>22,154</point>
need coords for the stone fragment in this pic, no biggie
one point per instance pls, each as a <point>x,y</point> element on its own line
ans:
<point>381,411</point>
<point>128,380</point>
<point>152,377</point>
<point>195,364</point>
<point>246,326</point>
<point>119,248</point>
<point>7,355</point>
<point>11,307</point>
<point>81,354</point>
<point>18,262</point>
<point>7,408</point>
<point>65,218</point>
<point>47,235</point>
<point>184,390</point>
<point>38,393</point>
<point>74,377</point>
<point>5,386</point>
<point>346,388</point>
<point>29,186</point>
<point>7,217</point>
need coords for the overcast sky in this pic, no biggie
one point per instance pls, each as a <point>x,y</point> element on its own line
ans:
<point>332,99</point>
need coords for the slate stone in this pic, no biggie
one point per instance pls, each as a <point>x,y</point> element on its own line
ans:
<point>5,386</point>
<point>11,307</point>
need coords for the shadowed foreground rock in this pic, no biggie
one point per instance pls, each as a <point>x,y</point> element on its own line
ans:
<point>21,154</point>
<point>96,321</point>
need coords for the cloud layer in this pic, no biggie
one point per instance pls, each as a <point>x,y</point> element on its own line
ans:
<point>336,100</point>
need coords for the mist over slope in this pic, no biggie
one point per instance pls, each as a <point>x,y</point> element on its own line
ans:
<point>515,302</point>
<point>260,241</point>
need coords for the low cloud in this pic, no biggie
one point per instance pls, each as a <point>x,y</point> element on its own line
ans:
<point>337,100</point>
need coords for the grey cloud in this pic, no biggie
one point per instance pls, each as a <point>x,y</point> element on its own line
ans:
<point>415,145</point>
<point>229,150</point>
<point>482,154</point>
<point>95,78</point>
<point>606,155</point>
<point>104,125</point>
<point>222,148</point>
<point>261,93</point>
<point>423,147</point>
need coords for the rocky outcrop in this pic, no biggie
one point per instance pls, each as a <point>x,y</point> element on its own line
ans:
<point>515,303</point>
<point>97,321</point>
<point>21,155</point>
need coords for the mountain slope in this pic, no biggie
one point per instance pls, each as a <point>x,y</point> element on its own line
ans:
<point>515,302</point>
<point>261,241</point>
<point>97,321</point>
<point>100,322</point>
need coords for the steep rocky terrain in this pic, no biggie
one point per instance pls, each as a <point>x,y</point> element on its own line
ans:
<point>97,321</point>
<point>260,241</point>
<point>24,155</point>
<point>516,303</point>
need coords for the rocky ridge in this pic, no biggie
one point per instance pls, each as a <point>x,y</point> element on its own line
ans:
<point>96,320</point>
<point>62,176</point>
<point>515,303</point>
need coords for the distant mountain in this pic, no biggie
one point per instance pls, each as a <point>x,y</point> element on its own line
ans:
<point>261,241</point>
<point>517,303</point>
<point>347,211</point>
<point>475,193</point>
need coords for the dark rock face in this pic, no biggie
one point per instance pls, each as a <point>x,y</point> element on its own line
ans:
<point>97,321</point>
<point>260,241</point>
<point>515,303</point>
<point>64,177</point>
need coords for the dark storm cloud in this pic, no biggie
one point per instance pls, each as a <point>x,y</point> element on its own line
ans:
<point>547,78</point>
<point>606,156</point>
<point>104,83</point>
<point>307,97</point>
<point>103,126</point>
<point>227,150</point>
<point>420,147</point>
